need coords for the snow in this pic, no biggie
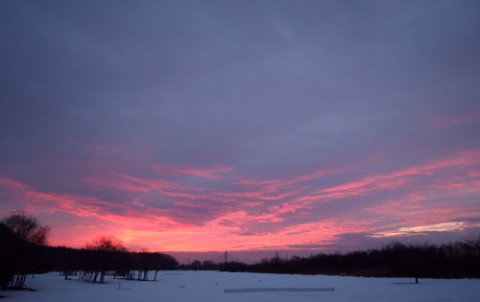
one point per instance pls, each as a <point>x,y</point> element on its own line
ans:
<point>210,286</point>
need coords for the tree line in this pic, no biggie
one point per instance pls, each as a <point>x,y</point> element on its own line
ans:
<point>24,251</point>
<point>453,260</point>
<point>108,256</point>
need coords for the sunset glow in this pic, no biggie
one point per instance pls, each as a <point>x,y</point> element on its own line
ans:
<point>168,212</point>
<point>312,126</point>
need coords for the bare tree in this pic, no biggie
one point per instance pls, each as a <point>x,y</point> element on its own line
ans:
<point>106,243</point>
<point>103,251</point>
<point>27,228</point>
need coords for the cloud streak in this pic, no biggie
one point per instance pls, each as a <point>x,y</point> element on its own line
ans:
<point>261,214</point>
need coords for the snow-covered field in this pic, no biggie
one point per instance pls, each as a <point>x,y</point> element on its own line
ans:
<point>210,286</point>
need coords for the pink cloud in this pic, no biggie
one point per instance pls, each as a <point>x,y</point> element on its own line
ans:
<point>256,213</point>
<point>397,179</point>
<point>12,183</point>
<point>82,206</point>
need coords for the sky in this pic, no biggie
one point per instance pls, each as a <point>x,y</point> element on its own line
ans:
<point>202,126</point>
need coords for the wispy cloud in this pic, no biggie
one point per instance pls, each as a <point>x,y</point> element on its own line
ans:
<point>256,212</point>
<point>423,229</point>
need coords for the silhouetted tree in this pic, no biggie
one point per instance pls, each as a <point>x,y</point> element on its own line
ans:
<point>22,237</point>
<point>11,244</point>
<point>100,257</point>
<point>106,243</point>
<point>27,228</point>
<point>145,262</point>
<point>208,265</point>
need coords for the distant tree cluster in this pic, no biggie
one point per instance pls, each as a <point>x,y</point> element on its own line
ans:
<point>198,265</point>
<point>456,260</point>
<point>106,255</point>
<point>24,251</point>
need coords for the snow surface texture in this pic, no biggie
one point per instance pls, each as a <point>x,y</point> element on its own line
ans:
<point>187,286</point>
